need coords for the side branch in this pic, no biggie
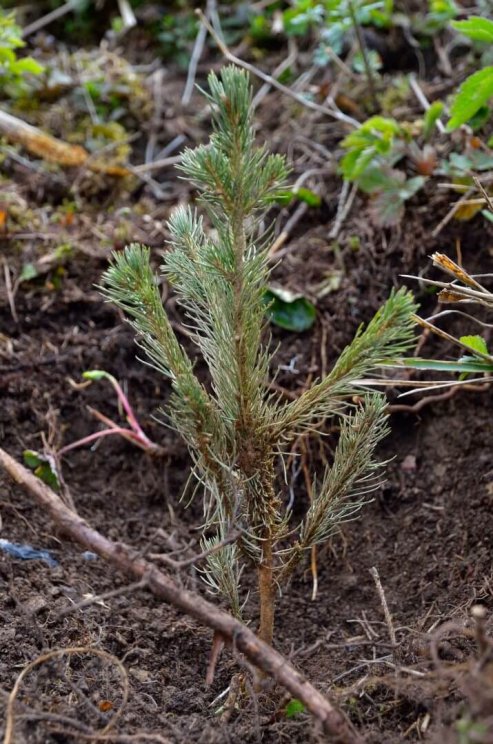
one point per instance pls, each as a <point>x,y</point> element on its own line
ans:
<point>260,654</point>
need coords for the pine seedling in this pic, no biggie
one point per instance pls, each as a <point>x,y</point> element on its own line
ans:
<point>236,430</point>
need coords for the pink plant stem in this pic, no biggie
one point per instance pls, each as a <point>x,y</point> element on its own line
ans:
<point>131,418</point>
<point>133,436</point>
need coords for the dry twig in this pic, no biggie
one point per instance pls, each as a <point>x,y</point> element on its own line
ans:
<point>60,653</point>
<point>333,113</point>
<point>263,656</point>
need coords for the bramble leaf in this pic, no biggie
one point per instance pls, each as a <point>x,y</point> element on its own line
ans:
<point>476,28</point>
<point>476,343</point>
<point>474,93</point>
<point>373,138</point>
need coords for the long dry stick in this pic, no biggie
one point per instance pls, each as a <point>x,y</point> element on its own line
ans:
<point>334,113</point>
<point>242,638</point>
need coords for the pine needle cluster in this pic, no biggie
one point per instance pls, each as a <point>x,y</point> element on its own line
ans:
<point>236,430</point>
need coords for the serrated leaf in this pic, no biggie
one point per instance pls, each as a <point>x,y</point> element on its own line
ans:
<point>387,209</point>
<point>372,138</point>
<point>378,178</point>
<point>476,28</point>
<point>474,93</point>
<point>476,343</point>
<point>291,312</point>
<point>411,187</point>
<point>294,708</point>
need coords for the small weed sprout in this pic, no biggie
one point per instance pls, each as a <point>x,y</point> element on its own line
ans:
<point>14,72</point>
<point>133,433</point>
<point>237,430</point>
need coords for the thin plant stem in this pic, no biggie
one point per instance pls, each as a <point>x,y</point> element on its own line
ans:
<point>364,54</point>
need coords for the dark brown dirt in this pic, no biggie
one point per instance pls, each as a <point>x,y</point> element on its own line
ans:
<point>428,529</point>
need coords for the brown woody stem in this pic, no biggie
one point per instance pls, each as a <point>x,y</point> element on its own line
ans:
<point>242,639</point>
<point>266,591</point>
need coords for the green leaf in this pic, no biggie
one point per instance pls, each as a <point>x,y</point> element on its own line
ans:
<point>372,57</point>
<point>27,65</point>
<point>29,271</point>
<point>388,207</point>
<point>476,28</point>
<point>375,179</point>
<point>287,196</point>
<point>474,93</point>
<point>476,343</point>
<point>288,311</point>
<point>410,187</point>
<point>375,137</point>
<point>42,468</point>
<point>308,196</point>
<point>486,213</point>
<point>294,708</point>
<point>480,118</point>
<point>31,458</point>
<point>96,374</point>
<point>466,364</point>
<point>431,117</point>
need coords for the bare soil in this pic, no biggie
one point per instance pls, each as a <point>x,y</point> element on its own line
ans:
<point>428,530</point>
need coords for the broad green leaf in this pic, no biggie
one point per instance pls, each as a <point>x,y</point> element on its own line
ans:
<point>476,343</point>
<point>288,311</point>
<point>42,468</point>
<point>476,28</point>
<point>410,187</point>
<point>294,708</point>
<point>387,209</point>
<point>354,163</point>
<point>373,58</point>
<point>479,119</point>
<point>376,178</point>
<point>373,138</point>
<point>474,93</point>
<point>431,117</point>
<point>27,65</point>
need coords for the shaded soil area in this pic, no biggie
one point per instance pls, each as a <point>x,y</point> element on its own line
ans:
<point>428,530</point>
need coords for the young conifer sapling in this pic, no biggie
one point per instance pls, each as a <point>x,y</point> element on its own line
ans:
<point>237,431</point>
